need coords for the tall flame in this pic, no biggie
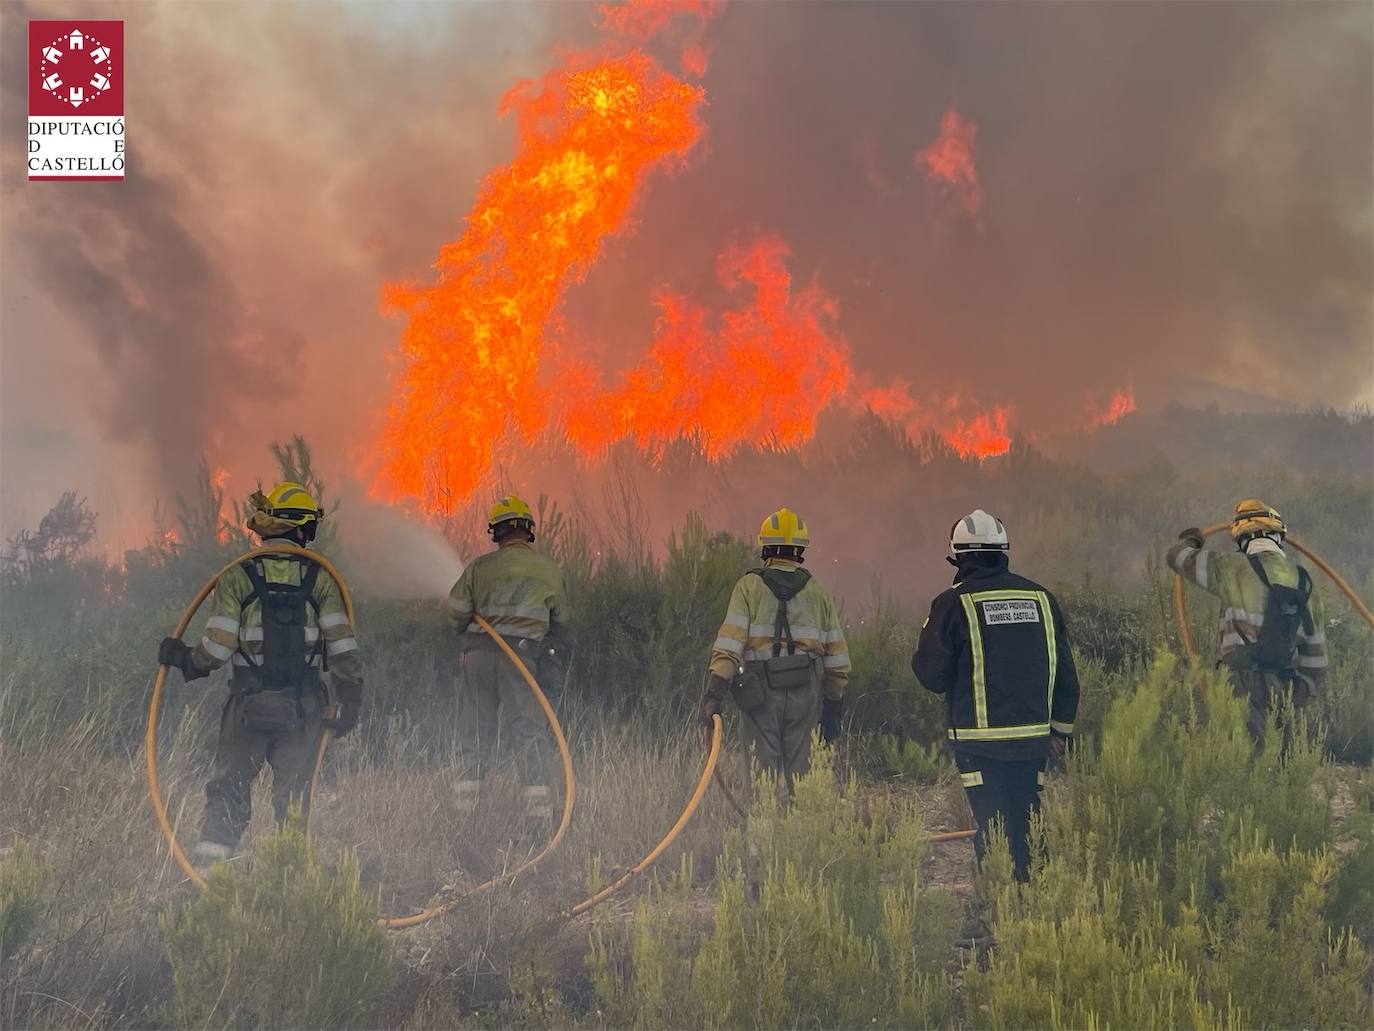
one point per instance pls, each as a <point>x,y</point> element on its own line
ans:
<point>472,344</point>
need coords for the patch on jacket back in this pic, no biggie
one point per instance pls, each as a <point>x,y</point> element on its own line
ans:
<point>1016,610</point>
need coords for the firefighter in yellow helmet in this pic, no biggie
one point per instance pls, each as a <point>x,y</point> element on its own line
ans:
<point>781,654</point>
<point>281,623</point>
<point>522,594</point>
<point>1272,634</point>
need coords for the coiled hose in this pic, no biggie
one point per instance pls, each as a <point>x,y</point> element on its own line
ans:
<point>1355,600</point>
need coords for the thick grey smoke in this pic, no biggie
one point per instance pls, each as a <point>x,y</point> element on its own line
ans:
<point>1171,193</point>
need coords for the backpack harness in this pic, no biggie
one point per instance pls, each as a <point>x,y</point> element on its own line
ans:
<point>791,671</point>
<point>1285,611</point>
<point>285,665</point>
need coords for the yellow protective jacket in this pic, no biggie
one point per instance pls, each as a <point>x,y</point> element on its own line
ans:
<point>746,635</point>
<point>234,630</point>
<point>1229,576</point>
<point>518,590</point>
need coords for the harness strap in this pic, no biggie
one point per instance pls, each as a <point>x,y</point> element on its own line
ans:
<point>258,578</point>
<point>783,592</point>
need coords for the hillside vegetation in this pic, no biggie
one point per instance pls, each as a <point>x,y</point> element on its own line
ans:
<point>1182,882</point>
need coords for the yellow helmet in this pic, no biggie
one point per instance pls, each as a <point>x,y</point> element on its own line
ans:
<point>510,509</point>
<point>784,528</point>
<point>1254,518</point>
<point>287,506</point>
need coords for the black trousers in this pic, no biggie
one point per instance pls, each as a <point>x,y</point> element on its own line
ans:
<point>1008,789</point>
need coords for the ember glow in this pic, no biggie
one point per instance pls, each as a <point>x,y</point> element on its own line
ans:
<point>949,162</point>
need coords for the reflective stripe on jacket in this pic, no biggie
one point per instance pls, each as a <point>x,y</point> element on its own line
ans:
<point>746,635</point>
<point>1229,576</point>
<point>996,646</point>
<point>234,627</point>
<point>518,590</point>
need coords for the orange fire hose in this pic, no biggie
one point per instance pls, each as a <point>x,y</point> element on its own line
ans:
<point>160,682</point>
<point>439,909</point>
<point>712,756</point>
<point>1355,600</point>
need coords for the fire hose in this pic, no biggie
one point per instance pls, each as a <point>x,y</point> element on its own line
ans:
<point>1355,600</point>
<point>711,769</point>
<point>438,909</point>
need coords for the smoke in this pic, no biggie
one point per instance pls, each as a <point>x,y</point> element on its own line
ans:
<point>1168,194</point>
<point>391,556</point>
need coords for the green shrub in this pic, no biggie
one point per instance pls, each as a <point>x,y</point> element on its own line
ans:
<point>22,880</point>
<point>277,942</point>
<point>912,761</point>
<point>819,920</point>
<point>1187,880</point>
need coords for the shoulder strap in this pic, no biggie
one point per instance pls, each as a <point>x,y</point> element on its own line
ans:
<point>259,583</point>
<point>783,592</point>
<point>1258,567</point>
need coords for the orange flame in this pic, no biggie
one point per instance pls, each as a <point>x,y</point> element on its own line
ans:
<point>762,378</point>
<point>471,349</point>
<point>1122,404</point>
<point>983,436</point>
<point>949,161</point>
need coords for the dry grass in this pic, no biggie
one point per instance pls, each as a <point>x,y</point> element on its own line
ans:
<point>96,957</point>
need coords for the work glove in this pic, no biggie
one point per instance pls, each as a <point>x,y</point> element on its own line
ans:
<point>550,670</point>
<point>1192,536</point>
<point>174,653</point>
<point>713,699</point>
<point>350,701</point>
<point>1059,747</point>
<point>832,709</point>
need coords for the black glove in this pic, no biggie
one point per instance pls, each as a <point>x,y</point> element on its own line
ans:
<point>831,711</point>
<point>1192,536</point>
<point>713,699</point>
<point>350,699</point>
<point>174,653</point>
<point>550,670</point>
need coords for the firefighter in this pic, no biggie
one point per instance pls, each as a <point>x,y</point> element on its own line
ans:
<point>781,653</point>
<point>996,646</point>
<point>1272,636</point>
<point>522,594</point>
<point>281,623</point>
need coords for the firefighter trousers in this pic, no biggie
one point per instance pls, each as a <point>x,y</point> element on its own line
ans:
<point>499,719</point>
<point>1007,790</point>
<point>239,758</point>
<point>1265,690</point>
<point>776,729</point>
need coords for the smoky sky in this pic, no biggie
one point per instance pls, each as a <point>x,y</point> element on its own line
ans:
<point>1171,193</point>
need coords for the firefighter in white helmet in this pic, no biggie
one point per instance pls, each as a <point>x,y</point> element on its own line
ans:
<point>1272,635</point>
<point>521,593</point>
<point>781,653</point>
<point>995,645</point>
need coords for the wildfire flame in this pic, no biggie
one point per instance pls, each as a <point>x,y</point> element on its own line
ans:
<point>471,348</point>
<point>982,434</point>
<point>1121,404</point>
<point>762,377</point>
<point>949,161</point>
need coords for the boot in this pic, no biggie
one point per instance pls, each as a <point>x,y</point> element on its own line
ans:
<point>466,793</point>
<point>538,804</point>
<point>207,853</point>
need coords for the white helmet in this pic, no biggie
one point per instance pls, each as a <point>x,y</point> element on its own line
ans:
<point>977,531</point>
